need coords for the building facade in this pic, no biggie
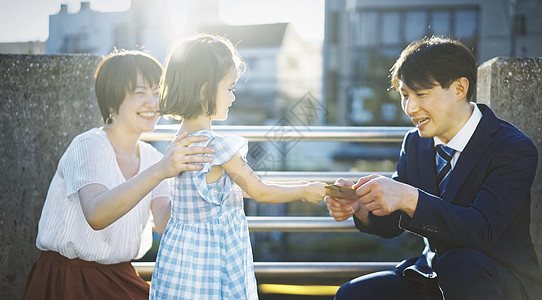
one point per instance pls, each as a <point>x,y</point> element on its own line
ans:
<point>282,69</point>
<point>363,38</point>
<point>34,47</point>
<point>148,25</point>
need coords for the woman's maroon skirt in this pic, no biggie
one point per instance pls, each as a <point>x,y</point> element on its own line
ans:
<point>54,276</point>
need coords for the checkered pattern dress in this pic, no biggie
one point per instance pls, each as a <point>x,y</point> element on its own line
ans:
<point>205,251</point>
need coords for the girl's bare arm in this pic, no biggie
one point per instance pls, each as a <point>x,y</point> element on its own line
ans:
<point>266,192</point>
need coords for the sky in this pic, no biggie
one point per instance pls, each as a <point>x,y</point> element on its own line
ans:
<point>28,20</point>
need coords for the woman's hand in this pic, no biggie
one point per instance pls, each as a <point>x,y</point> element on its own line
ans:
<point>180,156</point>
<point>102,206</point>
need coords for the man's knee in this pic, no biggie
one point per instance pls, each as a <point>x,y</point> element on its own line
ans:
<point>346,291</point>
<point>379,285</point>
<point>363,287</point>
<point>458,262</point>
<point>456,265</point>
<point>464,270</point>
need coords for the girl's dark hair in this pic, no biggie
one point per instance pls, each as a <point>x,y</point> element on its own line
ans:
<point>433,60</point>
<point>116,76</point>
<point>200,61</point>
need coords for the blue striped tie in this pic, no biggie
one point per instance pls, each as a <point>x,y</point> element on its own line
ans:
<point>444,166</point>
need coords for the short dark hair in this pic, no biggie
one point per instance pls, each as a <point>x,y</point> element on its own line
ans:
<point>200,60</point>
<point>116,75</point>
<point>434,60</point>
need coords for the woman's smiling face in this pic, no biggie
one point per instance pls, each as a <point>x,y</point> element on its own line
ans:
<point>138,110</point>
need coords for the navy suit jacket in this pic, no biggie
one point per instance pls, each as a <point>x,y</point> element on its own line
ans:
<point>486,205</point>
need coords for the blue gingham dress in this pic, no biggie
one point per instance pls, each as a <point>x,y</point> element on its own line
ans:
<point>205,251</point>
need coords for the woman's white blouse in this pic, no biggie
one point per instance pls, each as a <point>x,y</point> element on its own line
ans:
<point>90,158</point>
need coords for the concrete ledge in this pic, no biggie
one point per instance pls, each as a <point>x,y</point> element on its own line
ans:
<point>45,101</point>
<point>512,88</point>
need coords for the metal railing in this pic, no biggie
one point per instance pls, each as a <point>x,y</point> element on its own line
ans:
<point>288,133</point>
<point>302,272</point>
<point>299,224</point>
<point>298,272</point>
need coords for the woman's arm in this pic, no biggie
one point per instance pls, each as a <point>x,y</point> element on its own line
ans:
<point>102,206</point>
<point>161,212</point>
<point>263,192</point>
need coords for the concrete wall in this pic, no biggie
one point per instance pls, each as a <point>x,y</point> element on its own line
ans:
<point>45,101</point>
<point>512,87</point>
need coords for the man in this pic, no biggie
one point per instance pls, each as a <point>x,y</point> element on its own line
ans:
<point>462,183</point>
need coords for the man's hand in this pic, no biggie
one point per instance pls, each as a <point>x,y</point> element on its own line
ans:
<point>381,195</point>
<point>342,209</point>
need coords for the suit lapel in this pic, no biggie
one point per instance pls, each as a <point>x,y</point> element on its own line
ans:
<point>476,146</point>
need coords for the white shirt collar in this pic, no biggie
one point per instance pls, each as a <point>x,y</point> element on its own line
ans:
<point>462,137</point>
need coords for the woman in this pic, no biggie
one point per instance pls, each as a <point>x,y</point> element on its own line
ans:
<point>95,217</point>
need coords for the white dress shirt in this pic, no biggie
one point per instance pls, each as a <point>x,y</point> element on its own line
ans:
<point>462,137</point>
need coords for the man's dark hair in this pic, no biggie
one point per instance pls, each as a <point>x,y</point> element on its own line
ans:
<point>433,60</point>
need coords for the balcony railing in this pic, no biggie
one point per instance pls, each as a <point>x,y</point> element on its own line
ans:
<point>299,272</point>
<point>288,133</point>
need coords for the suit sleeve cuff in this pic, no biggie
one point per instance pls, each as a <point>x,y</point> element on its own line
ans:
<point>419,223</point>
<point>359,225</point>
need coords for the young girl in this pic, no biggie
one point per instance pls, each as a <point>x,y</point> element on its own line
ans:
<point>205,251</point>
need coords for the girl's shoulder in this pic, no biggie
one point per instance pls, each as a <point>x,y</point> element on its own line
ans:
<point>225,146</point>
<point>221,142</point>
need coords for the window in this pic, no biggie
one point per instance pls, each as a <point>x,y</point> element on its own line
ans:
<point>391,27</point>
<point>415,25</point>
<point>465,23</point>
<point>440,23</point>
<point>367,35</point>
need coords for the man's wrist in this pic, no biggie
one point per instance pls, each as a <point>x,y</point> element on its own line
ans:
<point>363,216</point>
<point>411,201</point>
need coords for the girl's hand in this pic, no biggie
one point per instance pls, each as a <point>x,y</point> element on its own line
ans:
<point>180,156</point>
<point>314,192</point>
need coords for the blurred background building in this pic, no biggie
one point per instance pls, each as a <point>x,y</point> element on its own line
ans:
<point>347,73</point>
<point>35,47</point>
<point>282,66</point>
<point>364,37</point>
<point>145,25</point>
